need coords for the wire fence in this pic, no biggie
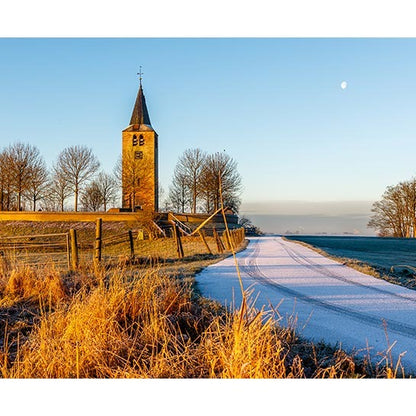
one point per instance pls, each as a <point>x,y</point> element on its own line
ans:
<point>37,249</point>
<point>65,251</point>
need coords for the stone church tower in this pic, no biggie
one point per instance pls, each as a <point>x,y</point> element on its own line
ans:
<point>140,160</point>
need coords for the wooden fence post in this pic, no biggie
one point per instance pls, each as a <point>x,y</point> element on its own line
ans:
<point>218,241</point>
<point>98,240</point>
<point>74,248</point>
<point>68,250</point>
<point>131,242</point>
<point>223,240</point>
<point>227,240</point>
<point>239,236</point>
<point>179,248</point>
<point>201,234</point>
<point>234,239</point>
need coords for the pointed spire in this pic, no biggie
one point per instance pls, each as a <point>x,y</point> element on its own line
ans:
<point>140,114</point>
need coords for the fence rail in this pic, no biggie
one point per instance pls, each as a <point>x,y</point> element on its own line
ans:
<point>67,251</point>
<point>35,249</point>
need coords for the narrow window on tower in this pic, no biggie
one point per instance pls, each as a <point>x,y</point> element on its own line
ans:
<point>138,155</point>
<point>141,140</point>
<point>134,140</point>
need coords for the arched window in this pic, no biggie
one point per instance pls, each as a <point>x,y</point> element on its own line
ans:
<point>134,140</point>
<point>141,140</point>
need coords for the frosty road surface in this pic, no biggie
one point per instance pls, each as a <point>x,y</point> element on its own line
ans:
<point>330,301</point>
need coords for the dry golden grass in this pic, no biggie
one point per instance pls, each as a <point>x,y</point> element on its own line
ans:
<point>148,323</point>
<point>27,283</point>
<point>161,248</point>
<point>144,319</point>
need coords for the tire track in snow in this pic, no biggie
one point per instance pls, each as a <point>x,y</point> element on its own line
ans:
<point>310,264</point>
<point>253,270</point>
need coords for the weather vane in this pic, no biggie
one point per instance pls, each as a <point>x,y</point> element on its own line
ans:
<point>140,73</point>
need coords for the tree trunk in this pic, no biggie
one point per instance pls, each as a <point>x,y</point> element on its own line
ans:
<point>76,199</point>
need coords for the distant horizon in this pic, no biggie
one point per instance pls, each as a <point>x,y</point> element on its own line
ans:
<point>310,217</point>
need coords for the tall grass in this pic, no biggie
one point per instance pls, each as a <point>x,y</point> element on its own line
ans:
<point>144,323</point>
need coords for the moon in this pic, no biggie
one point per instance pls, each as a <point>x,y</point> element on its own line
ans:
<point>344,85</point>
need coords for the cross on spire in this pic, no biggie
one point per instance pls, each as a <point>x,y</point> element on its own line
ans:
<point>140,114</point>
<point>140,73</point>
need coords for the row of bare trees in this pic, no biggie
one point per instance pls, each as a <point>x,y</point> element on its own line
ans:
<point>395,214</point>
<point>196,182</point>
<point>27,184</point>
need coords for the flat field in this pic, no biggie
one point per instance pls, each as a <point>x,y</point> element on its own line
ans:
<point>381,254</point>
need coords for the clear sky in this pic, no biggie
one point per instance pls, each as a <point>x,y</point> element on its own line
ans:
<point>275,105</point>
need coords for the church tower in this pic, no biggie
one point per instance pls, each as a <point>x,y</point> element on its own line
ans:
<point>140,159</point>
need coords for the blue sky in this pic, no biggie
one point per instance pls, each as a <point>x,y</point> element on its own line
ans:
<point>275,105</point>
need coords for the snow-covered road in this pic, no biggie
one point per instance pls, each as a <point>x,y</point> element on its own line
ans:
<point>329,301</point>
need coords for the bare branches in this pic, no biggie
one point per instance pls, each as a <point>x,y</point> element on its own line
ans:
<point>196,180</point>
<point>107,186</point>
<point>6,193</point>
<point>395,214</point>
<point>191,165</point>
<point>23,162</point>
<point>77,164</point>
<point>25,180</point>
<point>179,192</point>
<point>38,182</point>
<point>225,166</point>
<point>91,197</point>
<point>101,192</point>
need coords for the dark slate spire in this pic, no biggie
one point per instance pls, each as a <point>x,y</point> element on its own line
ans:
<point>140,114</point>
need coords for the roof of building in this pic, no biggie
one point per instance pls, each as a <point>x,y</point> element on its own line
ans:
<point>140,114</point>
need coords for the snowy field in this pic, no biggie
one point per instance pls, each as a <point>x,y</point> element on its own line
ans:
<point>328,301</point>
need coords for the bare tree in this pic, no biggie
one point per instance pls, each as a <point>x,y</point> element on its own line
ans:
<point>107,185</point>
<point>38,182</point>
<point>196,179</point>
<point>77,164</point>
<point>179,191</point>
<point>216,166</point>
<point>245,222</point>
<point>191,165</point>
<point>91,197</point>
<point>21,159</point>
<point>59,189</point>
<point>6,194</point>
<point>395,214</point>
